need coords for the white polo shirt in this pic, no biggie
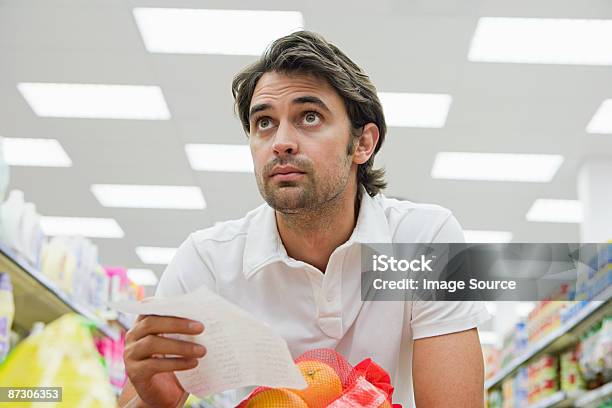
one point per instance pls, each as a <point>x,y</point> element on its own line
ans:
<point>245,261</point>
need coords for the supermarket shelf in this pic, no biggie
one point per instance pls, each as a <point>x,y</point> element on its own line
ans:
<point>563,336</point>
<point>557,400</point>
<point>37,298</point>
<point>578,399</point>
<point>590,399</point>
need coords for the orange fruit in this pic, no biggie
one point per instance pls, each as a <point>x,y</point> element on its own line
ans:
<point>276,398</point>
<point>324,385</point>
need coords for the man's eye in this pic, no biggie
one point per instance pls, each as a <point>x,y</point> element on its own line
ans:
<point>312,118</point>
<point>264,123</point>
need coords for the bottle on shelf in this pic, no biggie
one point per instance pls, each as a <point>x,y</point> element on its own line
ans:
<point>7,313</point>
<point>32,236</point>
<point>4,171</point>
<point>11,213</point>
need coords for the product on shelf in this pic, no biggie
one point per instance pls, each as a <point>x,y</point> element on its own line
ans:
<point>121,287</point>
<point>596,354</point>
<point>491,360</point>
<point>119,283</point>
<point>32,233</point>
<point>7,313</point>
<point>514,343</point>
<point>69,267</point>
<point>572,309</point>
<point>494,399</point>
<point>21,228</point>
<point>72,263</point>
<point>508,393</point>
<point>584,366</point>
<point>515,389</point>
<point>63,355</point>
<point>98,289</point>
<point>59,263</point>
<point>4,171</point>
<point>10,218</point>
<point>521,387</point>
<point>111,353</point>
<point>596,276</point>
<point>571,376</point>
<point>542,378</point>
<point>546,315</point>
<point>136,292</point>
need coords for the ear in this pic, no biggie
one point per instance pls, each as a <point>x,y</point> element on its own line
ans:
<point>366,144</point>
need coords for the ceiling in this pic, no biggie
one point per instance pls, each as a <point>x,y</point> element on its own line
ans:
<point>405,46</point>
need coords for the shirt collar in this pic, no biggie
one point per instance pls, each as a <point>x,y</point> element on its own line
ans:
<point>263,244</point>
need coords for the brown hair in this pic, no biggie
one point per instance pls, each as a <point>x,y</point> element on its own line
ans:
<point>309,53</point>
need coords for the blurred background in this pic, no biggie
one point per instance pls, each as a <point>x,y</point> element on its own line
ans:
<point>119,139</point>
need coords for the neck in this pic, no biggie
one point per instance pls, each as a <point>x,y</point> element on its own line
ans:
<point>311,236</point>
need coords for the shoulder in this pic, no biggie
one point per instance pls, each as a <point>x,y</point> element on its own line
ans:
<point>395,207</point>
<point>204,253</point>
<point>419,222</point>
<point>225,232</point>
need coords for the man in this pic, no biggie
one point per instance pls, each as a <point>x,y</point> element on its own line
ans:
<point>314,124</point>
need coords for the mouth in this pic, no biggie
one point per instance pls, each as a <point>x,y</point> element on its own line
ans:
<point>285,173</point>
<point>288,176</point>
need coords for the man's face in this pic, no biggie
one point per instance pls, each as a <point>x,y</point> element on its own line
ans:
<point>299,133</point>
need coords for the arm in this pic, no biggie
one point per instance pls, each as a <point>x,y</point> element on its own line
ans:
<point>130,399</point>
<point>173,282</point>
<point>448,371</point>
<point>149,367</point>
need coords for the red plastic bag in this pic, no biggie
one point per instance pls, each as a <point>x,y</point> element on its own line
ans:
<point>332,383</point>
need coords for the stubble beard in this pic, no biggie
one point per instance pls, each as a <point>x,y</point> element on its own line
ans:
<point>306,196</point>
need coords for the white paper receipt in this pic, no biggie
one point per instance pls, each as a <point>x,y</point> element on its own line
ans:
<point>241,351</point>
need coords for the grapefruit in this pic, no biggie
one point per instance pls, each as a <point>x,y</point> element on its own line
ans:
<point>324,385</point>
<point>276,398</point>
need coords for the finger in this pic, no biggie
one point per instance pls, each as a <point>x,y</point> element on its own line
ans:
<point>152,324</point>
<point>152,345</point>
<point>153,366</point>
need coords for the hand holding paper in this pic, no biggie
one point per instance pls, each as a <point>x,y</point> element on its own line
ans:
<point>241,351</point>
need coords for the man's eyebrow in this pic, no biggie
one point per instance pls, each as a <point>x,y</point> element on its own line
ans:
<point>297,101</point>
<point>258,108</point>
<point>311,99</point>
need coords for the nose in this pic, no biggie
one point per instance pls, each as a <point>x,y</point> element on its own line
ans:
<point>285,140</point>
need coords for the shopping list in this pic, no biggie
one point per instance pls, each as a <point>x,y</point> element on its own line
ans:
<point>241,351</point>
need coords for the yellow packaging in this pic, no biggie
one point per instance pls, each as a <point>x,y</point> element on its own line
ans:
<point>62,355</point>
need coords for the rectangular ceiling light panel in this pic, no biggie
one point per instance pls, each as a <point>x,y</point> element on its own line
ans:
<point>554,210</point>
<point>95,101</point>
<point>81,226</point>
<point>209,31</point>
<point>220,157</point>
<point>149,196</point>
<point>542,41</point>
<point>415,109</point>
<point>602,120</point>
<point>537,168</point>
<point>35,152</point>
<point>155,255</point>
